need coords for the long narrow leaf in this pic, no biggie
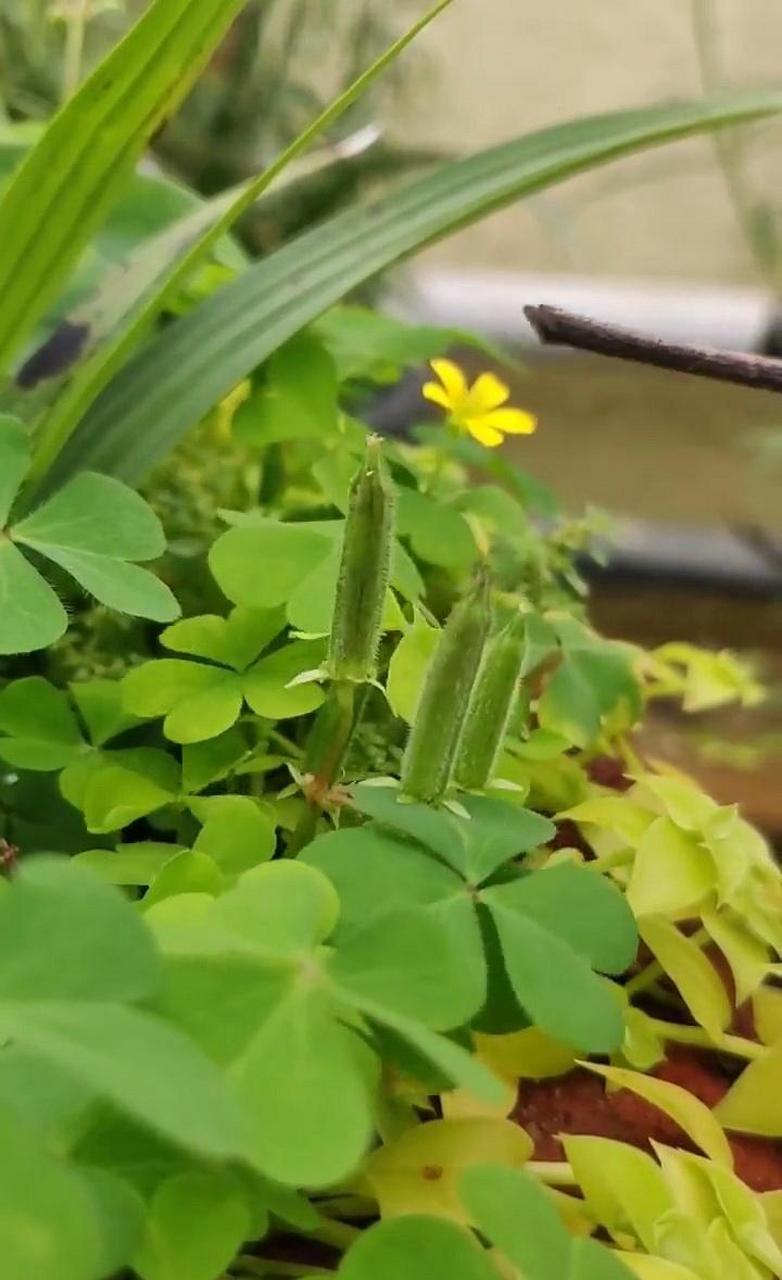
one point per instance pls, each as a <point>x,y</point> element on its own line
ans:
<point>188,368</point>
<point>68,182</point>
<point>134,295</point>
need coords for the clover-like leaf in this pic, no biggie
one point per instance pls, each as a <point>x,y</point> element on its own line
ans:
<point>553,926</point>
<point>419,1248</point>
<point>201,700</point>
<point>595,678</point>
<point>94,528</point>
<point>195,1224</point>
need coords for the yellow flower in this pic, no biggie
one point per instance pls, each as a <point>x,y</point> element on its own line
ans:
<point>477,410</point>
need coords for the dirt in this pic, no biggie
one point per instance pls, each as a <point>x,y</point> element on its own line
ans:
<point>578,1103</point>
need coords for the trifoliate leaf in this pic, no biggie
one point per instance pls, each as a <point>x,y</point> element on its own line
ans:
<point>96,514</point>
<point>417,1248</point>
<point>123,786</point>
<point>236,833</point>
<point>260,565</point>
<point>437,533</point>
<point>195,1225</point>
<point>96,947</point>
<point>129,864</point>
<point>43,732</point>
<point>267,685</point>
<point>31,616</point>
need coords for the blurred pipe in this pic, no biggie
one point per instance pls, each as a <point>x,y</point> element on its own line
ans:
<point>491,303</point>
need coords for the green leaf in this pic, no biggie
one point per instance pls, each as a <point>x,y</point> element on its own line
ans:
<point>238,834</point>
<point>437,533</point>
<point>266,685</point>
<point>137,1061</point>
<point>96,514</point>
<point>132,296</point>
<point>298,399</point>
<point>234,641</point>
<point>408,666</point>
<point>304,1084</point>
<point>14,462</point>
<point>124,587</point>
<point>405,959</point>
<point>210,761</point>
<point>195,1225</point>
<point>580,905</point>
<point>63,190</point>
<point>198,701</point>
<point>517,1216</point>
<point>186,871</point>
<point>31,616</point>
<point>280,906</point>
<point>553,983</point>
<point>49,1225</point>
<point>201,357</point>
<point>43,733</point>
<point>129,864</point>
<point>260,565</point>
<point>417,1248</point>
<point>125,786</point>
<point>101,708</point>
<point>66,936</point>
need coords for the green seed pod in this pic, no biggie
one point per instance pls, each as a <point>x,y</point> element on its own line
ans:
<point>428,759</point>
<point>493,699</point>
<point>364,571</point>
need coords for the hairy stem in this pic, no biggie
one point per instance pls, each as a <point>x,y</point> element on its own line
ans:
<point>326,750</point>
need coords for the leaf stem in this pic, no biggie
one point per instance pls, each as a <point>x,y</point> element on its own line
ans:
<point>270,1268</point>
<point>653,971</point>
<point>554,1173</point>
<point>738,1046</point>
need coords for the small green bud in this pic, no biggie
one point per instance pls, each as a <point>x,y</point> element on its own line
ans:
<point>364,571</point>
<point>429,757</point>
<point>493,698</point>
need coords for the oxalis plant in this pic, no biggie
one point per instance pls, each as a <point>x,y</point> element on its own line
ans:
<point>347,872</point>
<point>346,883</point>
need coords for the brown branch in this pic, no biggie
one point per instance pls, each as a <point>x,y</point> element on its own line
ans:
<point>562,328</point>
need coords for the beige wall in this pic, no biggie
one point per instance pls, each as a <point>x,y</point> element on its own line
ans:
<point>497,68</point>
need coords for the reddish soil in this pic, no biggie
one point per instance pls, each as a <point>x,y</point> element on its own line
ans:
<point>578,1103</point>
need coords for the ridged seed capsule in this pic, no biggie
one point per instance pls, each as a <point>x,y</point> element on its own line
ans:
<point>493,699</point>
<point>431,748</point>
<point>364,571</point>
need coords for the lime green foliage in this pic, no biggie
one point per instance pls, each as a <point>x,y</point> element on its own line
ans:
<point>290,978</point>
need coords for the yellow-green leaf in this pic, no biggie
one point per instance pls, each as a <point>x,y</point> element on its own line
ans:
<point>672,873</point>
<point>767,1009</point>
<point>748,957</point>
<point>623,1186</point>
<point>754,1103</point>
<point>691,972</point>
<point>692,1115</point>
<point>421,1171</point>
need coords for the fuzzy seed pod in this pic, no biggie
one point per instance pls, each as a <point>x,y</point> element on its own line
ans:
<point>431,748</point>
<point>493,699</point>
<point>364,571</point>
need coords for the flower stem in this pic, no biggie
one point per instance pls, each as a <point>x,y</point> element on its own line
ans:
<point>326,750</point>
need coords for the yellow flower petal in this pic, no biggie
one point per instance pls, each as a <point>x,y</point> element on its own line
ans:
<point>452,379</point>
<point>437,394</point>
<point>488,436</point>
<point>512,422</point>
<point>485,394</point>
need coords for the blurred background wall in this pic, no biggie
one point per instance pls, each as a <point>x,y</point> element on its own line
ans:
<point>499,67</point>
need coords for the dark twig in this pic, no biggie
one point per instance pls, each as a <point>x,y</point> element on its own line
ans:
<point>562,328</point>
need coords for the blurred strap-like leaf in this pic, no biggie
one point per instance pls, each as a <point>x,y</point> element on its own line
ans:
<point>67,184</point>
<point>132,295</point>
<point>187,369</point>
